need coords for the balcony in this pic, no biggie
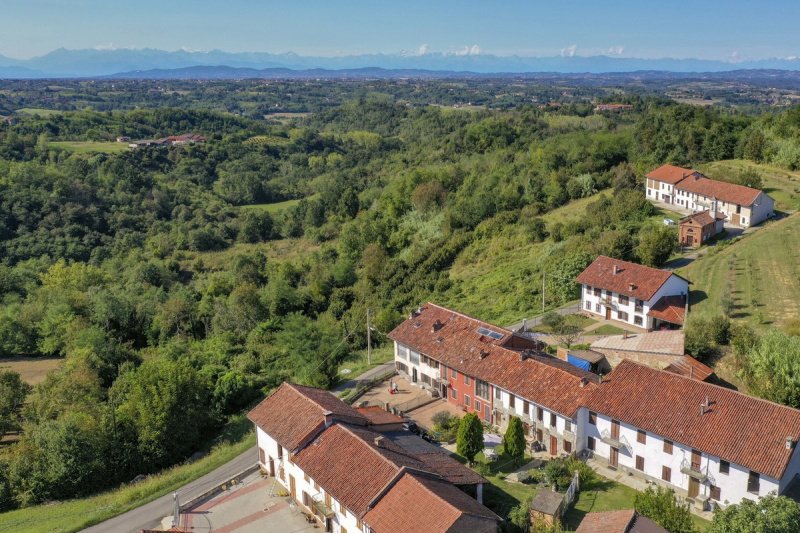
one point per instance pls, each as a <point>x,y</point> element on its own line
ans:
<point>321,509</point>
<point>619,442</point>
<point>695,472</point>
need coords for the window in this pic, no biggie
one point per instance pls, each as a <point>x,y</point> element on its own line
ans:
<point>615,429</point>
<point>453,393</point>
<point>478,407</point>
<point>306,499</point>
<point>724,467</point>
<point>598,292</point>
<point>753,482</point>
<point>592,418</point>
<point>453,373</point>
<point>498,394</point>
<point>552,420</point>
<point>482,389</point>
<point>567,446</point>
<point>637,320</point>
<point>342,510</point>
<point>666,474</point>
<point>511,401</point>
<point>568,425</point>
<point>526,407</point>
<point>316,486</point>
<point>328,502</point>
<point>414,357</point>
<point>668,446</point>
<point>622,315</point>
<point>641,436</point>
<point>639,462</point>
<point>588,305</point>
<point>716,493</point>
<point>588,290</point>
<point>402,352</point>
<point>591,444</point>
<point>466,379</point>
<point>597,308</point>
<point>360,525</point>
<point>467,400</point>
<point>305,476</point>
<point>639,306</point>
<point>540,414</point>
<point>623,300</point>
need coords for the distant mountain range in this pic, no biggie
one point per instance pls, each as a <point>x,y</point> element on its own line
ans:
<point>133,63</point>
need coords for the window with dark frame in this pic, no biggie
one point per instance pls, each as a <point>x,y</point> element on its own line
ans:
<point>666,474</point>
<point>467,400</point>
<point>552,420</point>
<point>716,493</point>
<point>641,436</point>
<point>724,466</point>
<point>753,482</point>
<point>567,446</point>
<point>511,400</point>
<point>526,407</point>
<point>639,462</point>
<point>668,446</point>
<point>591,444</point>
<point>540,414</point>
<point>482,389</point>
<point>592,418</point>
<point>623,300</point>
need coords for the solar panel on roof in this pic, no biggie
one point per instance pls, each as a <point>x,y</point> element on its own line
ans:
<point>489,333</point>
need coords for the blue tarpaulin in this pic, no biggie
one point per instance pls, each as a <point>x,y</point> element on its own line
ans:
<point>577,361</point>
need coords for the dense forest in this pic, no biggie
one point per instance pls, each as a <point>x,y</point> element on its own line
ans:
<point>148,270</point>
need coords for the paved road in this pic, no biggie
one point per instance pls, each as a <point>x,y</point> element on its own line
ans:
<point>567,309</point>
<point>369,375</point>
<point>150,514</point>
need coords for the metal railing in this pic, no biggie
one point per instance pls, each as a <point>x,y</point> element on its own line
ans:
<point>319,505</point>
<point>696,472</point>
<point>617,442</point>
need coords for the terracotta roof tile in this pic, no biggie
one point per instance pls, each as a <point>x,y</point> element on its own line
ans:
<point>292,414</point>
<point>378,415</point>
<point>625,521</point>
<point>721,190</point>
<point>690,367</point>
<point>671,309</point>
<point>671,173</point>
<point>424,505</point>
<point>456,343</point>
<point>631,279</point>
<point>354,464</point>
<point>703,218</point>
<point>738,428</point>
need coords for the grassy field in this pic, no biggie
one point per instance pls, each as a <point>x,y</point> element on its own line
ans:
<point>91,147</point>
<point>781,184</point>
<point>607,329</point>
<point>32,370</point>
<point>357,363</point>
<point>74,515</point>
<point>270,208</point>
<point>283,249</point>
<point>762,271</point>
<point>35,111</point>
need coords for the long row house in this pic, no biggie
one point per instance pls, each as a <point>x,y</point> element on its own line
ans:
<point>712,445</point>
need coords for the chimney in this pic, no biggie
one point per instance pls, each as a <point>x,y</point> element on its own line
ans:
<point>328,418</point>
<point>615,270</point>
<point>789,443</point>
<point>483,353</point>
<point>584,381</point>
<point>379,441</point>
<point>436,326</point>
<point>524,354</point>
<point>631,286</point>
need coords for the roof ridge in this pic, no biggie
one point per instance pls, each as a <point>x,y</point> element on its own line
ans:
<point>469,317</point>
<point>559,367</point>
<point>294,386</point>
<point>702,383</point>
<point>373,449</point>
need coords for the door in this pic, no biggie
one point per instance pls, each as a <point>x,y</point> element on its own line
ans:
<point>271,467</point>
<point>413,375</point>
<point>615,429</point>
<point>444,390</point>
<point>486,412</point>
<point>689,241</point>
<point>695,460</point>
<point>539,435</point>
<point>736,219</point>
<point>292,487</point>
<point>613,459</point>
<point>262,457</point>
<point>694,487</point>
<point>608,313</point>
<point>553,445</point>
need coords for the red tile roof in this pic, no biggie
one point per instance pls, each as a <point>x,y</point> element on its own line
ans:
<point>671,309</point>
<point>456,343</point>
<point>625,521</point>
<point>748,431</point>
<point>703,218</point>
<point>631,279</point>
<point>378,415</point>
<point>292,414</point>
<point>721,190</point>
<point>690,367</point>
<point>421,504</point>
<point>671,174</point>
<point>354,465</point>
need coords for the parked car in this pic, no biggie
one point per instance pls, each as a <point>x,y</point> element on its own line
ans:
<point>412,427</point>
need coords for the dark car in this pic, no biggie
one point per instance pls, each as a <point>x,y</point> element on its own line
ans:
<point>412,427</point>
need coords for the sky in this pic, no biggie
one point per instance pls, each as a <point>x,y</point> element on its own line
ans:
<point>707,29</point>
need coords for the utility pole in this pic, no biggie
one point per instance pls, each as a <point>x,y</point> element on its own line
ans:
<point>543,273</point>
<point>369,338</point>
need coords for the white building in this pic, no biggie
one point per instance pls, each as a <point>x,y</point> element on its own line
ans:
<point>708,443</point>
<point>640,296</point>
<point>688,189</point>
<point>328,459</point>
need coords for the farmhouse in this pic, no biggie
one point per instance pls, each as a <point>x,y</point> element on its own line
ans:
<point>708,443</point>
<point>658,349</point>
<point>690,190</point>
<point>494,373</point>
<point>350,477</point>
<point>699,227</point>
<point>644,297</point>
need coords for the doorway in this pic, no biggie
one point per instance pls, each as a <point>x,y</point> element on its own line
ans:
<point>444,390</point>
<point>292,487</point>
<point>413,375</point>
<point>608,313</point>
<point>694,487</point>
<point>553,445</point>
<point>613,459</point>
<point>271,467</point>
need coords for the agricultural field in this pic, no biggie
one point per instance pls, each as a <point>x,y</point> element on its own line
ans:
<point>759,273</point>
<point>781,184</point>
<point>91,147</point>
<point>273,208</point>
<point>32,370</point>
<point>36,111</point>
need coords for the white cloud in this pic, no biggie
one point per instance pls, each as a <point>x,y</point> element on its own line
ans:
<point>423,49</point>
<point>615,50</point>
<point>473,50</point>
<point>109,46</point>
<point>736,57</point>
<point>792,58</point>
<point>569,51</point>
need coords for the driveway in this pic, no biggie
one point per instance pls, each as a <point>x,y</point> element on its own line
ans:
<point>149,516</point>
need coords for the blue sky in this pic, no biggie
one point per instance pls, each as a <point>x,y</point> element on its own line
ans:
<point>710,29</point>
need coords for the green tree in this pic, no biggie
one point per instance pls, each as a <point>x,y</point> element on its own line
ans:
<point>770,514</point>
<point>514,440</point>
<point>772,368</point>
<point>469,439</point>
<point>662,507</point>
<point>656,244</point>
<point>12,394</point>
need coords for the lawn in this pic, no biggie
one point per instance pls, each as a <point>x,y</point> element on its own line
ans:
<point>760,272</point>
<point>32,370</point>
<point>781,184</point>
<point>90,147</point>
<point>357,362</point>
<point>275,207</point>
<point>607,329</point>
<point>74,515</point>
<point>36,111</point>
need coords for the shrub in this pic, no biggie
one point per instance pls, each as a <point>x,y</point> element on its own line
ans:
<point>662,507</point>
<point>442,420</point>
<point>535,475</point>
<point>514,440</point>
<point>557,474</point>
<point>469,441</point>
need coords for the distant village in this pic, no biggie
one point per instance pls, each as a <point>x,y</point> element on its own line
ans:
<point>173,140</point>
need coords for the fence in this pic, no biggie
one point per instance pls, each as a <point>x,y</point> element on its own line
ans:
<point>572,491</point>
